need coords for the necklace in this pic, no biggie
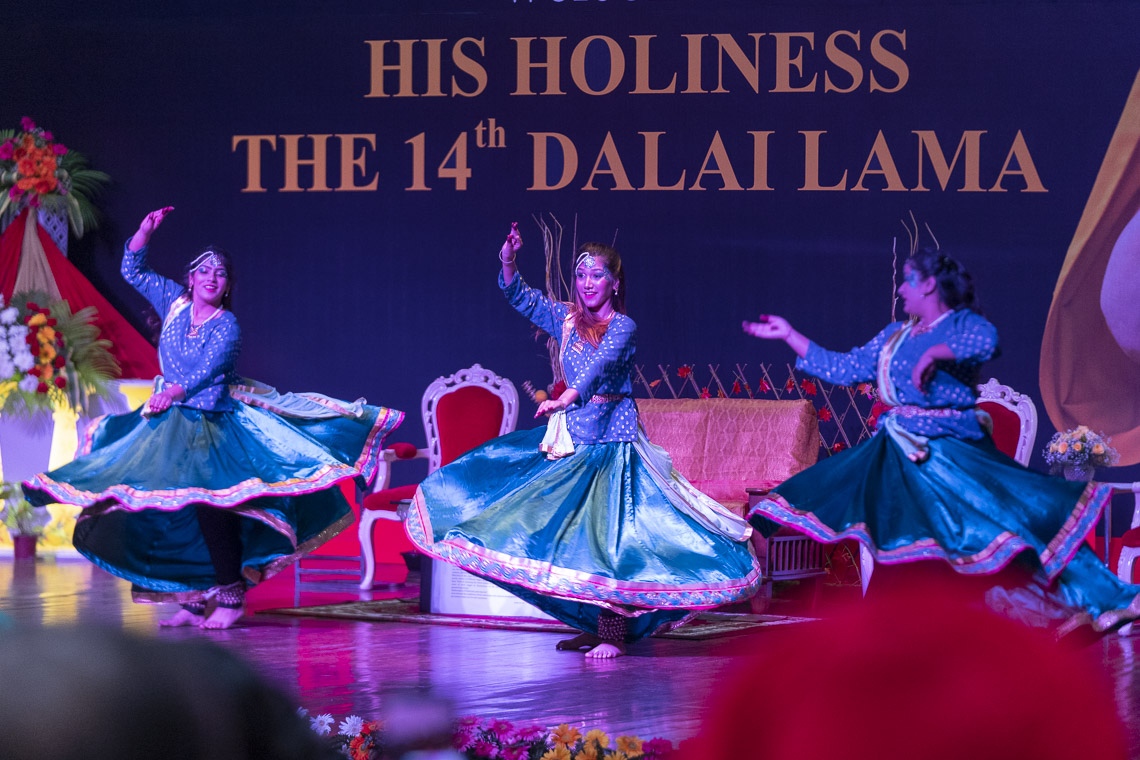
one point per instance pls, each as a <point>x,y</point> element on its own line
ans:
<point>196,329</point>
<point>922,329</point>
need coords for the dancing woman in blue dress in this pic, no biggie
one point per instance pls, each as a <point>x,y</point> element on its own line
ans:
<point>930,485</point>
<point>586,519</point>
<point>211,485</point>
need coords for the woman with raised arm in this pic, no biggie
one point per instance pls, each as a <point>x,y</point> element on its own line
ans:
<point>585,519</point>
<point>930,485</point>
<point>211,486</point>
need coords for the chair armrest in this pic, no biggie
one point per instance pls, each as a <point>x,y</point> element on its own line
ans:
<point>390,455</point>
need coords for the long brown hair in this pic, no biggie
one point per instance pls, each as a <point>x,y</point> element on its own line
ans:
<point>588,326</point>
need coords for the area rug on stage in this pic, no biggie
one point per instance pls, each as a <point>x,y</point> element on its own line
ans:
<point>704,626</point>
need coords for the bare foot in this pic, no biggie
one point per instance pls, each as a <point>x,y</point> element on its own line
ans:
<point>606,651</point>
<point>180,618</point>
<point>579,642</point>
<point>223,617</point>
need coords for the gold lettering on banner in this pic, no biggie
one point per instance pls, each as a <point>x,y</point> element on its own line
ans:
<point>891,61</point>
<point>253,145</point>
<point>469,66</point>
<point>1027,169</point>
<point>379,68</point>
<point>615,168</point>
<point>350,162</point>
<point>881,155</point>
<point>569,160</point>
<point>971,143</point>
<point>749,69</point>
<point>760,160</point>
<point>432,61</point>
<point>652,163</point>
<point>293,163</point>
<point>719,155</point>
<point>616,65</point>
<point>641,68</point>
<point>434,68</point>
<point>844,61</point>
<point>693,67</point>
<point>551,65</point>
<point>785,62</point>
<point>811,164</point>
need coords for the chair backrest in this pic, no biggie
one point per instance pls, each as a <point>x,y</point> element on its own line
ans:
<point>1014,416</point>
<point>464,410</point>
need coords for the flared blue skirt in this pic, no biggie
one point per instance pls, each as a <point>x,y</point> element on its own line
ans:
<point>969,505</point>
<point>599,529</point>
<point>141,479</point>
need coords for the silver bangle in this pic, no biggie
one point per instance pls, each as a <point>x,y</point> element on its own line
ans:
<point>511,260</point>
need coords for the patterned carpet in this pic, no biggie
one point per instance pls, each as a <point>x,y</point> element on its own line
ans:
<point>706,625</point>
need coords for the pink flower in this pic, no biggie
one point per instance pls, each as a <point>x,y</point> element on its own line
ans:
<point>518,752</point>
<point>657,749</point>
<point>484,748</point>
<point>7,150</point>
<point>15,192</point>
<point>27,124</point>
<point>46,135</point>
<point>59,149</point>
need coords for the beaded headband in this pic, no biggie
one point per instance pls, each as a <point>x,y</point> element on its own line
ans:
<point>207,257</point>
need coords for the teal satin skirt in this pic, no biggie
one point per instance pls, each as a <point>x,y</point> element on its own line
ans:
<point>140,479</point>
<point>599,529</point>
<point>971,506</point>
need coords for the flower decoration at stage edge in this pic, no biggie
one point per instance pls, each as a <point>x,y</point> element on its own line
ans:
<point>51,357</point>
<point>37,171</point>
<point>482,739</point>
<point>1079,447</point>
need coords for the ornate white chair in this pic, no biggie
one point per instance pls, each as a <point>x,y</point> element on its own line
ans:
<point>460,412</point>
<point>1015,430</point>
<point>1131,539</point>
<point>1014,416</point>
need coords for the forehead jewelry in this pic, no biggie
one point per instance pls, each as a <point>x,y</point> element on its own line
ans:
<point>209,257</point>
<point>587,258</point>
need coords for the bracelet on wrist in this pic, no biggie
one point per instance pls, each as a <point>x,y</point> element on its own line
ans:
<point>511,260</point>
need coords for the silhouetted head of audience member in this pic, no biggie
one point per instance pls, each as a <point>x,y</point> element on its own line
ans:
<point>914,675</point>
<point>101,694</point>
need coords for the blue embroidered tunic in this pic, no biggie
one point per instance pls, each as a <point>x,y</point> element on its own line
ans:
<point>202,365</point>
<point>605,411</point>
<point>971,338</point>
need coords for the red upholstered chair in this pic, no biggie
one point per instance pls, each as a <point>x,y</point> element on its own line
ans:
<point>1130,548</point>
<point>460,412</point>
<point>1014,416</point>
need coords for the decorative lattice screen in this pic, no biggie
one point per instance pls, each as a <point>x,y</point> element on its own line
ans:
<point>845,412</point>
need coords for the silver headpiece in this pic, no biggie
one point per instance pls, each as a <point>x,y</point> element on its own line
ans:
<point>587,258</point>
<point>207,257</point>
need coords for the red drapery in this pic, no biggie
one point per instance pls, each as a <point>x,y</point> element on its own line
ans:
<point>137,358</point>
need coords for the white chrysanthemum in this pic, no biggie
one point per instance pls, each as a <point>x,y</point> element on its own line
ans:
<point>322,724</point>
<point>351,726</point>
<point>9,316</point>
<point>18,332</point>
<point>28,384</point>
<point>7,368</point>
<point>23,360</point>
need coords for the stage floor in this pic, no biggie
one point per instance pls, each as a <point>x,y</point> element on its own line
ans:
<point>346,667</point>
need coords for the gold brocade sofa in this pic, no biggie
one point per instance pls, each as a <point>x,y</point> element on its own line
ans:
<point>726,445</point>
<point>729,447</point>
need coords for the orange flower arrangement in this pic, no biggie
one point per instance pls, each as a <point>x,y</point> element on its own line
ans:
<point>38,171</point>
